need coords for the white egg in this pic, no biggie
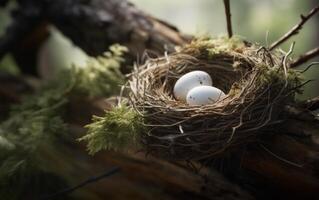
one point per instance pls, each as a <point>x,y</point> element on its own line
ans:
<point>188,81</point>
<point>203,95</point>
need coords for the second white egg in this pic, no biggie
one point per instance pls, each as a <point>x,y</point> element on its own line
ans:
<point>189,81</point>
<point>203,95</point>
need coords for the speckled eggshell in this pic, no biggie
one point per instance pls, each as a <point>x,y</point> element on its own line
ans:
<point>188,81</point>
<point>203,95</point>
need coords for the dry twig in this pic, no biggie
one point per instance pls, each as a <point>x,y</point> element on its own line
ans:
<point>228,18</point>
<point>305,57</point>
<point>80,185</point>
<point>295,30</point>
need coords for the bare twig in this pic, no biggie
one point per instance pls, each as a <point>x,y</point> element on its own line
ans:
<point>309,66</point>
<point>228,18</point>
<point>295,29</point>
<point>281,158</point>
<point>88,181</point>
<point>305,57</point>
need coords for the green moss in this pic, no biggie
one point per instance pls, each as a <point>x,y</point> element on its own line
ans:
<point>102,75</point>
<point>214,47</point>
<point>119,130</point>
<point>208,46</point>
<point>34,123</point>
<point>36,127</point>
<point>276,76</point>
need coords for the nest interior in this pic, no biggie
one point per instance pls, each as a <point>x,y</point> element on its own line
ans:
<point>257,84</point>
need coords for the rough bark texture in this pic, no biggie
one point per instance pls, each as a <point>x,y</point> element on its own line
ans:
<point>106,22</point>
<point>92,25</point>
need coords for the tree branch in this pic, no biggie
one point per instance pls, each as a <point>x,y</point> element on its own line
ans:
<point>94,25</point>
<point>305,57</point>
<point>104,22</point>
<point>295,30</point>
<point>228,18</point>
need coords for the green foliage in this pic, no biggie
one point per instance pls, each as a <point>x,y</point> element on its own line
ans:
<point>119,129</point>
<point>34,124</point>
<point>208,47</point>
<point>35,127</point>
<point>102,75</point>
<point>8,65</point>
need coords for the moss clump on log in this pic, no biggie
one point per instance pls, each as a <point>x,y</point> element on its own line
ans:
<point>119,129</point>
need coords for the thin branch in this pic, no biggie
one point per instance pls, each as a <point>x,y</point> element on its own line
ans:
<point>305,57</point>
<point>295,30</point>
<point>281,158</point>
<point>228,18</point>
<point>309,66</point>
<point>88,181</point>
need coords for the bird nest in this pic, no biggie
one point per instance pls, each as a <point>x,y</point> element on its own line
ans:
<point>257,84</point>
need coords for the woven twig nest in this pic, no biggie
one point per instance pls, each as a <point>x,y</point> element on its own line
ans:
<point>257,83</point>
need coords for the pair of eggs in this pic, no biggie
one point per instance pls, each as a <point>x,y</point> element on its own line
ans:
<point>196,89</point>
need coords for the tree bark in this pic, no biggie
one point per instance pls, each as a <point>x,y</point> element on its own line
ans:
<point>92,25</point>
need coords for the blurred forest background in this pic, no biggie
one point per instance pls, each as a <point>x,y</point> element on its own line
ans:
<point>260,21</point>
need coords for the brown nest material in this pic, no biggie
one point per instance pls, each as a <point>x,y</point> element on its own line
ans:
<point>258,84</point>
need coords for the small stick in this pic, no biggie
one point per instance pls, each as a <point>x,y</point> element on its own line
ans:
<point>228,18</point>
<point>309,66</point>
<point>295,30</point>
<point>281,158</point>
<point>305,57</point>
<point>88,181</point>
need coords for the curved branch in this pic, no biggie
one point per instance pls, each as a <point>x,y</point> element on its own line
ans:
<point>295,30</point>
<point>305,57</point>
